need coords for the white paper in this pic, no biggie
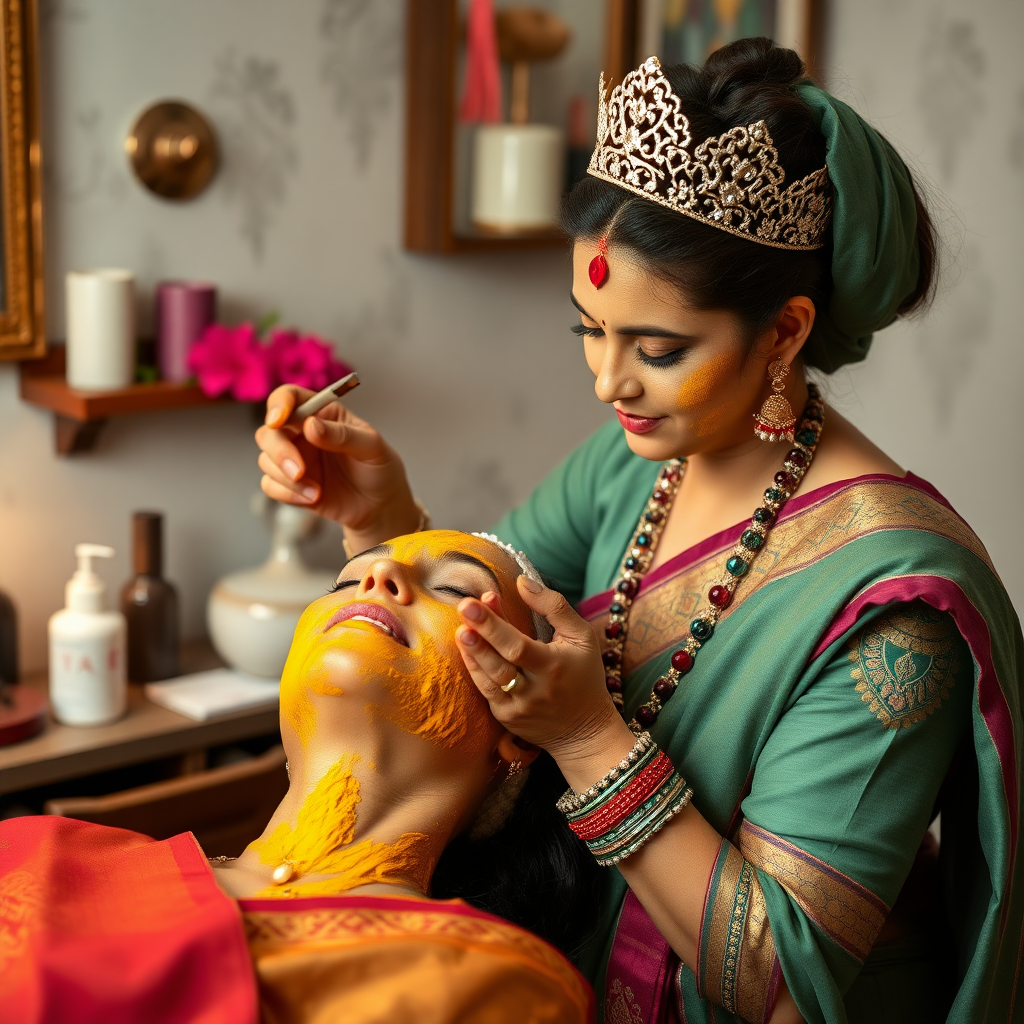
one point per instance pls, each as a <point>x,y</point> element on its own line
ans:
<point>208,694</point>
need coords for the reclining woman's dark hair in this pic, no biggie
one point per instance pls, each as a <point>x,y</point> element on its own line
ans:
<point>747,81</point>
<point>533,871</point>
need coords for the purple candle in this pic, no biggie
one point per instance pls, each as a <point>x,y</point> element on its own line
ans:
<point>184,309</point>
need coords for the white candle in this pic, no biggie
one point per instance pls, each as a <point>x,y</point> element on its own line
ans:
<point>518,176</point>
<point>100,319</point>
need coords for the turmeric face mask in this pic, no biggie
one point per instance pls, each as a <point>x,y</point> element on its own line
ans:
<point>386,637</point>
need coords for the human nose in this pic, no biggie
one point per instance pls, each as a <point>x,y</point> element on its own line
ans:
<point>612,379</point>
<point>387,576</point>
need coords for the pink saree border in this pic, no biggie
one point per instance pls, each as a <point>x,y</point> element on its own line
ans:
<point>726,538</point>
<point>946,596</point>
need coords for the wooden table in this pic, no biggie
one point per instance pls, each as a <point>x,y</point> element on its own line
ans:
<point>147,732</point>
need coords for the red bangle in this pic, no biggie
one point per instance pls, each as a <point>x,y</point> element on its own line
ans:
<point>623,803</point>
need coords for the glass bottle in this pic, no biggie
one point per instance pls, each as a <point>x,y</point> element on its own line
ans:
<point>150,604</point>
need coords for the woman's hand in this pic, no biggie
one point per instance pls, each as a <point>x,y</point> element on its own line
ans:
<point>561,703</point>
<point>337,465</point>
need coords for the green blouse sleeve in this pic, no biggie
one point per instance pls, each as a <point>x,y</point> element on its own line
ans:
<point>841,796</point>
<point>558,524</point>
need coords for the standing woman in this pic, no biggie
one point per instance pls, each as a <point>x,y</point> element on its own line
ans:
<point>797,653</point>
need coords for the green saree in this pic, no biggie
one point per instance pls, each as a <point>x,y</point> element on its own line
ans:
<point>865,677</point>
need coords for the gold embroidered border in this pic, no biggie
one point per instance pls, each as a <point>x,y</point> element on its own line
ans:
<point>847,912</point>
<point>620,1007</point>
<point>739,957</point>
<point>904,689</point>
<point>354,926</point>
<point>661,615</point>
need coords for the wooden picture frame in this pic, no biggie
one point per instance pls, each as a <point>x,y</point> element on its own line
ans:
<point>696,28</point>
<point>433,39</point>
<point>22,331</point>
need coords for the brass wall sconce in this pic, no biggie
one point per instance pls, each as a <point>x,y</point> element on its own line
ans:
<point>173,150</point>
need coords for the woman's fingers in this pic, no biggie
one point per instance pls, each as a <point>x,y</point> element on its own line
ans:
<point>557,610</point>
<point>514,647</point>
<point>282,401</point>
<point>360,442</point>
<point>282,451</point>
<point>272,489</point>
<point>302,491</point>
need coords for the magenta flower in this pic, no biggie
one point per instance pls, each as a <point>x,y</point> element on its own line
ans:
<point>307,361</point>
<point>232,359</point>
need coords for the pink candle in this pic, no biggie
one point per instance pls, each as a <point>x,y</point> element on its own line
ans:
<point>184,309</point>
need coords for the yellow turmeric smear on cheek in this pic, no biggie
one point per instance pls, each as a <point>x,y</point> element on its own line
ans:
<point>437,698</point>
<point>320,843</point>
<point>305,672</point>
<point>700,386</point>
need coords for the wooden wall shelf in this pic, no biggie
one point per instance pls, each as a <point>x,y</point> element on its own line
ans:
<point>79,416</point>
<point>434,37</point>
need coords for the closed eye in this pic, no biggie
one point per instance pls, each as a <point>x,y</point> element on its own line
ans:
<point>667,359</point>
<point>342,585</point>
<point>455,590</point>
<point>583,331</point>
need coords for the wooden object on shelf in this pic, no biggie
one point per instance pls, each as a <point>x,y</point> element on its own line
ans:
<point>225,808</point>
<point>79,416</point>
<point>22,334</point>
<point>147,732</point>
<point>433,41</point>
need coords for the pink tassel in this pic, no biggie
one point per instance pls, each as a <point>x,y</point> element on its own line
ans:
<point>481,97</point>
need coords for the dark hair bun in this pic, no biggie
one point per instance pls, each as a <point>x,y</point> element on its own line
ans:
<point>756,62</point>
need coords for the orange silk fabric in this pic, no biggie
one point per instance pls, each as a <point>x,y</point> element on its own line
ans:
<point>100,924</point>
<point>371,959</point>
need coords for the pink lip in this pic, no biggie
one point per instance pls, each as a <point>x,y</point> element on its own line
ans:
<point>638,424</point>
<point>370,611</point>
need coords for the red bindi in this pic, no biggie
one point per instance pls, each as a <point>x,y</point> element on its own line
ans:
<point>599,264</point>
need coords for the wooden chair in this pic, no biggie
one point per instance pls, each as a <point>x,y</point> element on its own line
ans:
<point>226,808</point>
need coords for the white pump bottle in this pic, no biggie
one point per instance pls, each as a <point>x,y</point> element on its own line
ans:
<point>87,649</point>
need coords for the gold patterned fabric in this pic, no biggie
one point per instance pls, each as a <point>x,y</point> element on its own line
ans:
<point>847,912</point>
<point>905,663</point>
<point>364,960</point>
<point>737,965</point>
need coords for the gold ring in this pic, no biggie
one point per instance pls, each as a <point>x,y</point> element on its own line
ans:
<point>515,681</point>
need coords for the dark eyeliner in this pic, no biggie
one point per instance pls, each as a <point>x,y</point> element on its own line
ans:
<point>342,584</point>
<point>668,359</point>
<point>583,331</point>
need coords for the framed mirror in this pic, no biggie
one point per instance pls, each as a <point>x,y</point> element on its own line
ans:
<point>22,333</point>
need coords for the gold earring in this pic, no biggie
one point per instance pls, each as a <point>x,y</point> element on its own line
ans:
<point>514,768</point>
<point>775,421</point>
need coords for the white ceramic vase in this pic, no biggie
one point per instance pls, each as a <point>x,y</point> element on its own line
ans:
<point>251,615</point>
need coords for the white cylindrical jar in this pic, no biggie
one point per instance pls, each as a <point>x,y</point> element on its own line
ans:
<point>88,681</point>
<point>518,176</point>
<point>100,318</point>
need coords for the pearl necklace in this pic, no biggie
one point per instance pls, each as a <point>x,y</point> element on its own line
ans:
<point>641,550</point>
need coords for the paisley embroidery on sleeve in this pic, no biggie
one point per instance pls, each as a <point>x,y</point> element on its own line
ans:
<point>905,662</point>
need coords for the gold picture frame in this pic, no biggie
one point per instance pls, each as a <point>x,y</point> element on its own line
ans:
<point>22,330</point>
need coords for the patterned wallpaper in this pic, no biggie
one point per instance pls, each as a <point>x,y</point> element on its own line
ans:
<point>469,367</point>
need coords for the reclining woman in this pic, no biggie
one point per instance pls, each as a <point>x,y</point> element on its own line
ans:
<point>393,754</point>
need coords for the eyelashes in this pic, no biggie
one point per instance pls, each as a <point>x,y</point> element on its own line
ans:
<point>663,361</point>
<point>668,359</point>
<point>460,594</point>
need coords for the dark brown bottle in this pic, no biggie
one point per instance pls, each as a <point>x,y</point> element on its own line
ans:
<point>150,604</point>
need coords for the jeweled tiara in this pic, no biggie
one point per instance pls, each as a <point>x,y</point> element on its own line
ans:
<point>732,181</point>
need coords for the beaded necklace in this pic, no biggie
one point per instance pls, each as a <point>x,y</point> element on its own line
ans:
<point>645,541</point>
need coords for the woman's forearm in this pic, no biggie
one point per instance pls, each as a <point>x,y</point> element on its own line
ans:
<point>670,873</point>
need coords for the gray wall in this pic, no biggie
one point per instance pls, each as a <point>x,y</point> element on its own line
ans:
<point>469,368</point>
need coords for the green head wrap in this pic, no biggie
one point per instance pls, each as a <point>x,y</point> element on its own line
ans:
<point>875,260</point>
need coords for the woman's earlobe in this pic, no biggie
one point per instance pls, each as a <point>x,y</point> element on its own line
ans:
<point>511,748</point>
